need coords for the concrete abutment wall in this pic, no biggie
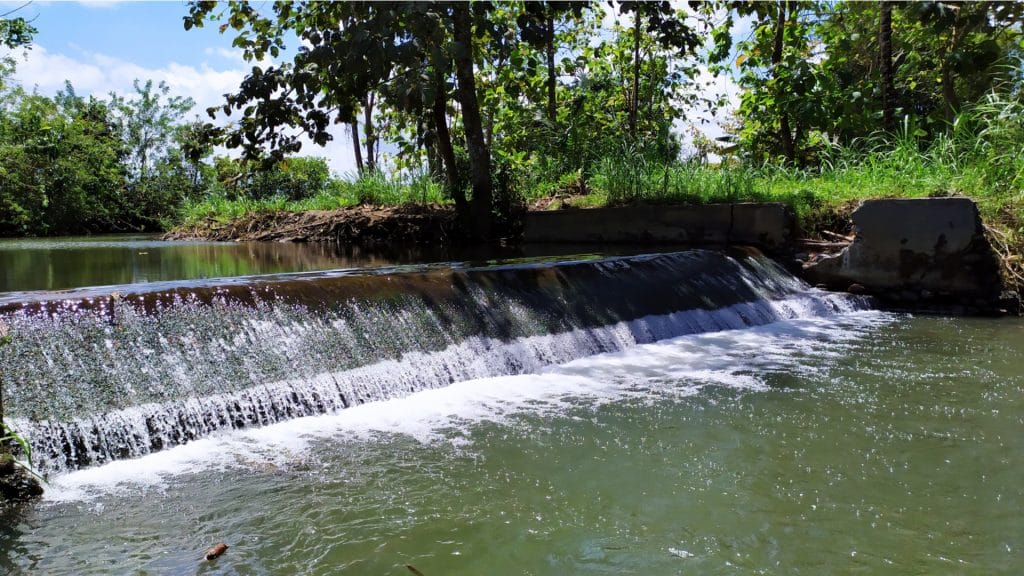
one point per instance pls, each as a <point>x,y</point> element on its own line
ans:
<point>769,226</point>
<point>923,254</point>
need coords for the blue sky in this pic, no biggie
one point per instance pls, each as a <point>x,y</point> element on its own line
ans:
<point>151,33</point>
<point>102,46</point>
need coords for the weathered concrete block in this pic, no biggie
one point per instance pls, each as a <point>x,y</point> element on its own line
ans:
<point>932,247</point>
<point>769,225</point>
<point>765,225</point>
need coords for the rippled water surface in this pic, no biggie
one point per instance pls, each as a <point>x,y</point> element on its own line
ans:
<point>864,443</point>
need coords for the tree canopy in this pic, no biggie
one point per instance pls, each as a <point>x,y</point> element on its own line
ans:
<point>491,98</point>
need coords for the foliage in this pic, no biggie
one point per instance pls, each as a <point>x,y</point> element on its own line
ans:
<point>60,162</point>
<point>158,176</point>
<point>484,104</point>
<point>293,178</point>
<point>351,53</point>
<point>8,435</point>
<point>16,32</point>
<point>811,72</point>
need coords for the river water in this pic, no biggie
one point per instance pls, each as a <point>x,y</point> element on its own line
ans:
<point>856,442</point>
<point>39,264</point>
<point>864,443</point>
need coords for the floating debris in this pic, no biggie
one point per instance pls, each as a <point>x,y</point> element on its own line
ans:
<point>216,552</point>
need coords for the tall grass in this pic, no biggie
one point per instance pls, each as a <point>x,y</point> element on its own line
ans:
<point>981,156</point>
<point>372,189</point>
<point>627,180</point>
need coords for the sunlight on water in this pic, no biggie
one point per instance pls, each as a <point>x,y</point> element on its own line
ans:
<point>861,442</point>
<point>689,413</point>
<point>675,368</point>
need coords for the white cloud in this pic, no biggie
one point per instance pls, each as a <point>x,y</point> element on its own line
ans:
<point>233,54</point>
<point>100,74</point>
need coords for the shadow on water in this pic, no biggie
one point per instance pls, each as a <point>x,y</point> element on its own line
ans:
<point>13,549</point>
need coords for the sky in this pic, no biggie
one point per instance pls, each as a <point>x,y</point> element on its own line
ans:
<point>102,46</point>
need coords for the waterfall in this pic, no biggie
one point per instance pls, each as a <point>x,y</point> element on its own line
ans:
<point>98,376</point>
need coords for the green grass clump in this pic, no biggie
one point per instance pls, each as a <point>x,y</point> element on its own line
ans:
<point>371,188</point>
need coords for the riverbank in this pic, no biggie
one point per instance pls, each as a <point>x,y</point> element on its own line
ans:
<point>363,225</point>
<point>933,255</point>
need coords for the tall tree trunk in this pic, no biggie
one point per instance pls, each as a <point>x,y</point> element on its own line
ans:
<point>634,101</point>
<point>785,131</point>
<point>479,155</point>
<point>550,41</point>
<point>948,80</point>
<point>439,117</point>
<point>357,147</point>
<point>370,133</point>
<point>885,57</point>
<point>949,91</point>
<point>948,75</point>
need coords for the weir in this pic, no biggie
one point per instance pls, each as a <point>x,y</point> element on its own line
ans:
<point>94,376</point>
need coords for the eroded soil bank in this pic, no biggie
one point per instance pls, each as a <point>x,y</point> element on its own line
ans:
<point>358,225</point>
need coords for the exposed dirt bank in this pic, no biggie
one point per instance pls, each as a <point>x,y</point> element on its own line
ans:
<point>361,225</point>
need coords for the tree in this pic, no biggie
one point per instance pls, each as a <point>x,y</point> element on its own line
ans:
<point>148,121</point>
<point>349,51</point>
<point>971,40</point>
<point>670,31</point>
<point>538,24</point>
<point>783,104</point>
<point>15,32</point>
<point>930,71</point>
<point>479,153</point>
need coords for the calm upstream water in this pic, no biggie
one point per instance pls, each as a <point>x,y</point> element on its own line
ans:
<point>695,412</point>
<point>858,443</point>
<point>74,262</point>
<point>86,261</point>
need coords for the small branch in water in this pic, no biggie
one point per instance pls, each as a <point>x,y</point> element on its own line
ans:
<point>413,569</point>
<point>835,236</point>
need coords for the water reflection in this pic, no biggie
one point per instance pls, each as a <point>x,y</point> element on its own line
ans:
<point>64,263</point>
<point>75,262</point>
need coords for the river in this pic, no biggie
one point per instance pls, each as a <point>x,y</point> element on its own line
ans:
<point>854,441</point>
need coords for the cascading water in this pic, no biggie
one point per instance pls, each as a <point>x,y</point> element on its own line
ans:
<point>97,377</point>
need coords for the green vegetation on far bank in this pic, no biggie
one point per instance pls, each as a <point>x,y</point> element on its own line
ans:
<point>544,104</point>
<point>980,158</point>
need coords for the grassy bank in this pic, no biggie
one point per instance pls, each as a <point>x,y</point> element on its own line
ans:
<point>375,189</point>
<point>847,177</point>
<point>981,157</point>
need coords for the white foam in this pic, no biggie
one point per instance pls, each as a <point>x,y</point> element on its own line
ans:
<point>671,369</point>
